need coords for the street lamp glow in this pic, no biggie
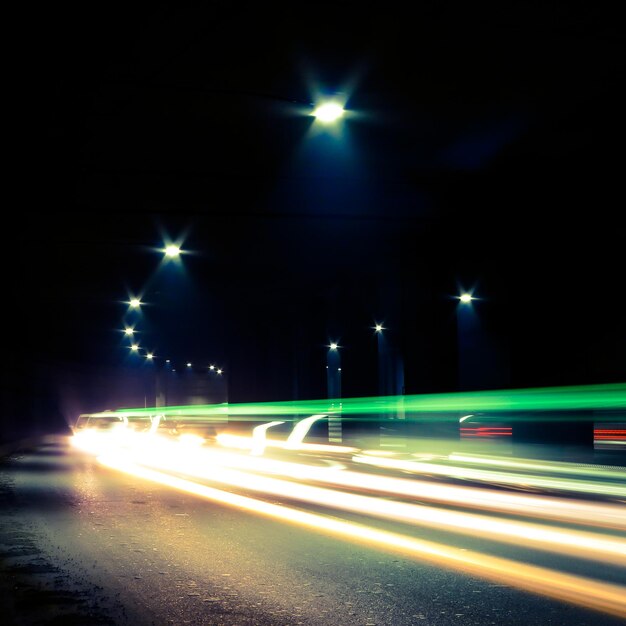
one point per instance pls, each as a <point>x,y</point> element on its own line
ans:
<point>188,364</point>
<point>135,303</point>
<point>328,112</point>
<point>466,298</point>
<point>211,367</point>
<point>149,356</point>
<point>379,328</point>
<point>129,331</point>
<point>172,251</point>
<point>135,348</point>
<point>219,371</point>
<point>333,346</point>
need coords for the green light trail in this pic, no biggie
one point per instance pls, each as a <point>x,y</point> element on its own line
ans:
<point>516,404</point>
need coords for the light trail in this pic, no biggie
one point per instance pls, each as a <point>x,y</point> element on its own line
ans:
<point>606,515</point>
<point>300,430</point>
<point>517,403</point>
<point>246,443</point>
<point>259,437</point>
<point>572,543</point>
<point>557,467</point>
<point>486,431</point>
<point>498,478</point>
<point>609,598</point>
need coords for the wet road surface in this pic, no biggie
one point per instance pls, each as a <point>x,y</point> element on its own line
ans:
<point>83,544</point>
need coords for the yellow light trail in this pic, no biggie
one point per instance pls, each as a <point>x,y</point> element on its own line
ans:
<point>606,515</point>
<point>609,598</point>
<point>564,541</point>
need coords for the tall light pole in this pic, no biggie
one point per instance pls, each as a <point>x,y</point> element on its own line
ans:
<point>390,382</point>
<point>333,370</point>
<point>333,383</point>
<point>468,342</point>
<point>382,358</point>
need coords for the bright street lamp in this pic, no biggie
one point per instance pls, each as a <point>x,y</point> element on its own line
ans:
<point>135,348</point>
<point>172,251</point>
<point>379,328</point>
<point>129,331</point>
<point>149,356</point>
<point>328,112</point>
<point>466,298</point>
<point>333,346</point>
<point>135,303</point>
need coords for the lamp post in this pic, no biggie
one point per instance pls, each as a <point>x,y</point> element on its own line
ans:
<point>390,383</point>
<point>333,371</point>
<point>468,343</point>
<point>382,358</point>
<point>333,383</point>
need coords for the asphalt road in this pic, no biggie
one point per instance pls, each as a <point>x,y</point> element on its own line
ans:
<point>83,544</point>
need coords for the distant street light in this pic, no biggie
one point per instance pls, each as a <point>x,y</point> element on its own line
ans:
<point>188,364</point>
<point>135,303</point>
<point>219,371</point>
<point>135,347</point>
<point>129,331</point>
<point>379,328</point>
<point>333,346</point>
<point>211,367</point>
<point>149,356</point>
<point>328,112</point>
<point>172,251</point>
<point>466,298</point>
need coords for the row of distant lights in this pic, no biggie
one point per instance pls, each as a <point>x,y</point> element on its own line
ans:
<point>464,298</point>
<point>328,112</point>
<point>212,368</point>
<point>172,252</point>
<point>335,346</point>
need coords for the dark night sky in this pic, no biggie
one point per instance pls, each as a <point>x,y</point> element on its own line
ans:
<point>484,149</point>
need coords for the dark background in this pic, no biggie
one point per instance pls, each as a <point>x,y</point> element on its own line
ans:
<point>483,150</point>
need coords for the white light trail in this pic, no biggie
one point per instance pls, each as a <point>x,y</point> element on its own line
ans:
<point>259,437</point>
<point>607,515</point>
<point>498,478</point>
<point>245,443</point>
<point>579,590</point>
<point>565,541</point>
<point>300,431</point>
<point>556,467</point>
